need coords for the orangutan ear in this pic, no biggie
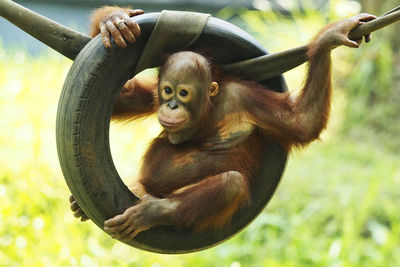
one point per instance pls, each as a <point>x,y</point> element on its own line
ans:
<point>213,89</point>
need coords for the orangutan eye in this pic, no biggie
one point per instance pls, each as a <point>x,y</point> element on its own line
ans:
<point>168,90</point>
<point>183,93</point>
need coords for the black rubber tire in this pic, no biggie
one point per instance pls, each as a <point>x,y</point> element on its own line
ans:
<point>83,121</point>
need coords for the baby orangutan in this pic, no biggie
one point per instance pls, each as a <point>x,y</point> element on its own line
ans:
<point>198,172</point>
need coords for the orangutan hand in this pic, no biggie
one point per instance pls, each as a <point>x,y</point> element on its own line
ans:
<point>78,212</point>
<point>337,33</point>
<point>121,27</point>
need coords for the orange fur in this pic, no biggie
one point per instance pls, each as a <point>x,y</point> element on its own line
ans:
<point>136,100</point>
<point>226,193</point>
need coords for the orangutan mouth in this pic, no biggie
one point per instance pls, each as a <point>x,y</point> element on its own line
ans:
<point>171,122</point>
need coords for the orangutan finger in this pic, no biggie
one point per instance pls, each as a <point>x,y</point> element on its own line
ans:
<point>105,36</point>
<point>115,33</point>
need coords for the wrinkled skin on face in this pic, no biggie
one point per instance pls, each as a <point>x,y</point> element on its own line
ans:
<point>184,94</point>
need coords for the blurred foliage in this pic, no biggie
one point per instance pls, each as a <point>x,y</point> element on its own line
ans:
<point>336,206</point>
<point>375,100</point>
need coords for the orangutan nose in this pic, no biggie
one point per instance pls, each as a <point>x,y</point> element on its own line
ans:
<point>173,104</point>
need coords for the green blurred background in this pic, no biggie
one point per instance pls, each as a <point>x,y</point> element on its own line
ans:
<point>337,205</point>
